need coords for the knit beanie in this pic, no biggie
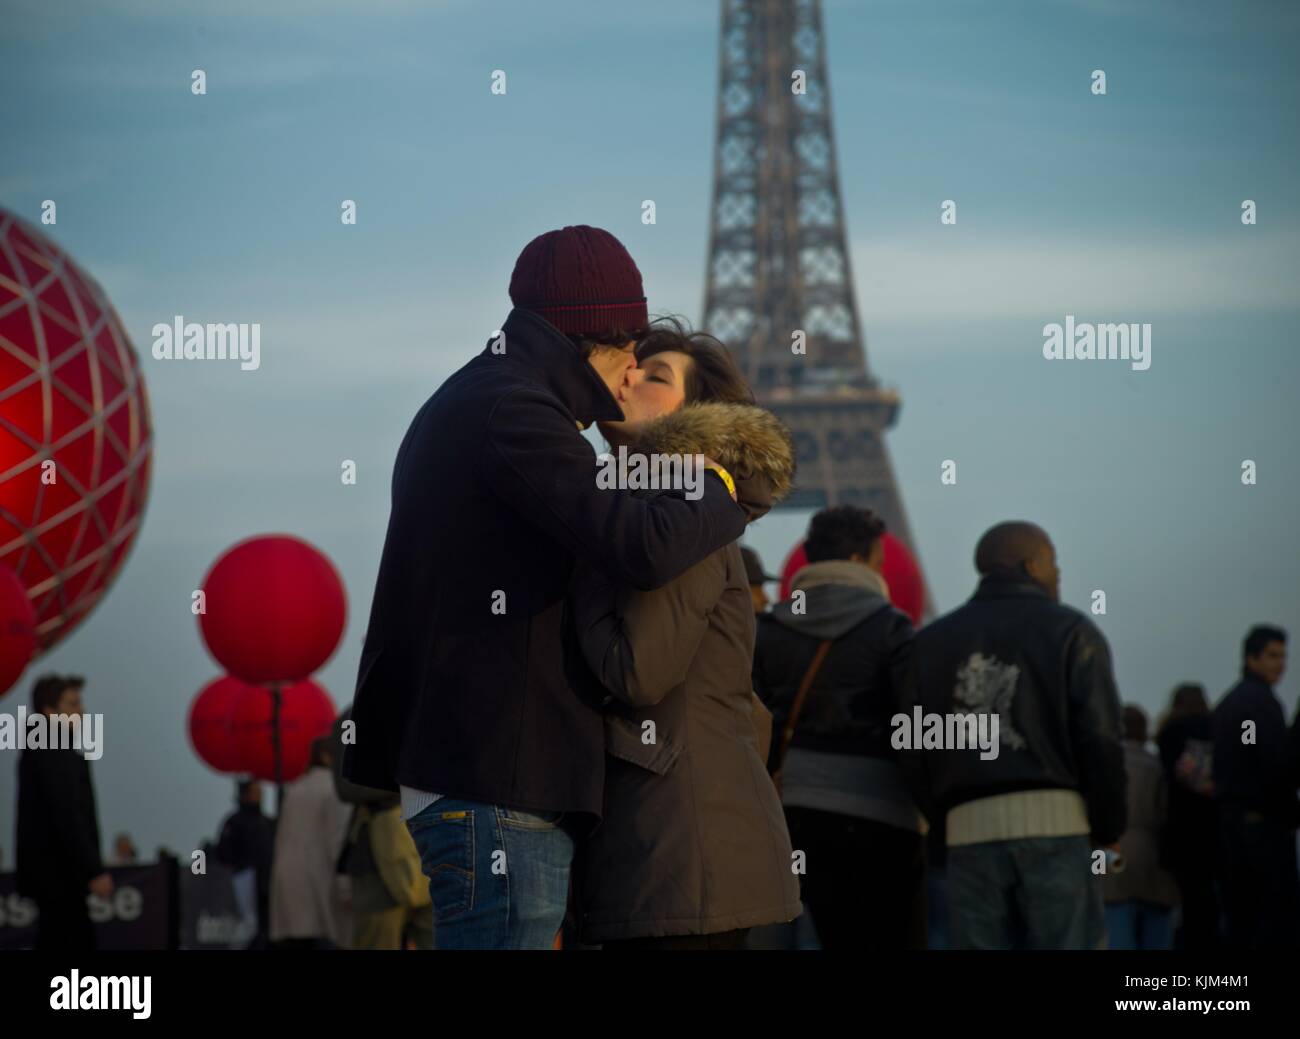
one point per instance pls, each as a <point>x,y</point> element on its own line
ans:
<point>581,280</point>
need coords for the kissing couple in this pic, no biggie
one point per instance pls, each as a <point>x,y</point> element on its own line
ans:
<point>556,672</point>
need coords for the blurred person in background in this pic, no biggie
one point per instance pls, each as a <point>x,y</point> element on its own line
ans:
<point>57,847</point>
<point>1190,849</point>
<point>1256,773</point>
<point>245,846</point>
<point>309,897</point>
<point>1021,825</point>
<point>391,907</point>
<point>1140,896</point>
<point>124,853</point>
<point>830,663</point>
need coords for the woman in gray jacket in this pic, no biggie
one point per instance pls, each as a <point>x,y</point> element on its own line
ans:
<point>692,849</point>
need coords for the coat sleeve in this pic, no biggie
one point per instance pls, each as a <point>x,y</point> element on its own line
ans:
<point>1095,732</point>
<point>641,644</point>
<point>72,811</point>
<point>904,668</point>
<point>539,465</point>
<point>898,660</point>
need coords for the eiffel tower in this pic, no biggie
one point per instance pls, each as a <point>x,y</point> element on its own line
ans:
<point>780,287</point>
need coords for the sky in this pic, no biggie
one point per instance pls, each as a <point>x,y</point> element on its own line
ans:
<point>1123,207</point>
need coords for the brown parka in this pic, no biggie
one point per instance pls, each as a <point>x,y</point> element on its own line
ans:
<point>693,839</point>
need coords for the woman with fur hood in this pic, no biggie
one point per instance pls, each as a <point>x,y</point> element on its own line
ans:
<point>692,850</point>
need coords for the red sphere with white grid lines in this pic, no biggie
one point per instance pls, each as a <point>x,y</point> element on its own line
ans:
<point>75,436</point>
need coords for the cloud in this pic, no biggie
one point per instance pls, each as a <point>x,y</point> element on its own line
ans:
<point>1114,278</point>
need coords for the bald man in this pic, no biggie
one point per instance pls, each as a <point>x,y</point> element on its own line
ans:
<point>1025,821</point>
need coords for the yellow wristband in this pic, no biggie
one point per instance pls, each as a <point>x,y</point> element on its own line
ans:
<point>726,478</point>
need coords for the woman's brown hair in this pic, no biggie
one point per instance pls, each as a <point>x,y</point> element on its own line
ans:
<point>714,374</point>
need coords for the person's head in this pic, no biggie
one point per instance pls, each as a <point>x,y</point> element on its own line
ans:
<point>1188,698</point>
<point>846,532</point>
<point>1019,549</point>
<point>582,280</point>
<point>674,366</point>
<point>1134,721</point>
<point>321,753</point>
<point>1264,653</point>
<point>58,694</point>
<point>124,848</point>
<point>248,792</point>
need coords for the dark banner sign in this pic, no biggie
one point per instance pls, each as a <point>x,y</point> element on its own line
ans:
<point>140,914</point>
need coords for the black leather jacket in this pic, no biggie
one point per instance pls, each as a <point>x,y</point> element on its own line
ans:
<point>1058,711</point>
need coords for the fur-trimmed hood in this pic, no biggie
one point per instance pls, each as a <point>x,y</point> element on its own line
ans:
<point>749,442</point>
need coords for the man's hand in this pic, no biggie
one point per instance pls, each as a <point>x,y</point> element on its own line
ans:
<point>102,885</point>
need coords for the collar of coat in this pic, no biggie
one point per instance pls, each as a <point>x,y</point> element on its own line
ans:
<point>549,358</point>
<point>750,443</point>
<point>841,572</point>
<point>997,586</point>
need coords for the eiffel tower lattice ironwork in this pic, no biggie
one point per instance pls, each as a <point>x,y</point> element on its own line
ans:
<point>779,264</point>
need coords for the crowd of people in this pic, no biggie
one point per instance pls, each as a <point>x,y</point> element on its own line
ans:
<point>335,870</point>
<point>592,735</point>
<point>579,722</point>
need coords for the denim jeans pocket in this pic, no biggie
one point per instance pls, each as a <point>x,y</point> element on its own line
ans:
<point>445,841</point>
<point>523,819</point>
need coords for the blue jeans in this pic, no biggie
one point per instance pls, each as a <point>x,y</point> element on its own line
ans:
<point>498,876</point>
<point>1134,924</point>
<point>1033,893</point>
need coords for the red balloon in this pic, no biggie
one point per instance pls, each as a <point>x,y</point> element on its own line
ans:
<point>306,712</point>
<point>75,433</point>
<point>906,585</point>
<point>794,562</point>
<point>211,723</point>
<point>17,629</point>
<point>274,609</point>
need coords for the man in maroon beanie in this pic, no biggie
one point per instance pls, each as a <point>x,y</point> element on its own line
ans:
<point>472,697</point>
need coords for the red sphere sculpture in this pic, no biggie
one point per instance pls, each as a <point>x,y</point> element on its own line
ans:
<point>902,575</point>
<point>75,435</point>
<point>274,609</point>
<point>306,712</point>
<point>211,723</point>
<point>17,629</point>
<point>906,586</point>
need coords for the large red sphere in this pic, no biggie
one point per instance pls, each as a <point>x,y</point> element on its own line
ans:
<point>906,586</point>
<point>306,712</point>
<point>211,723</point>
<point>274,609</point>
<point>75,436</point>
<point>902,575</point>
<point>17,629</point>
